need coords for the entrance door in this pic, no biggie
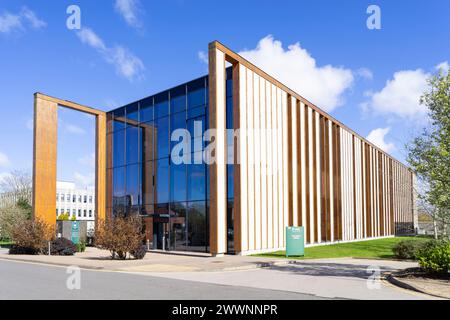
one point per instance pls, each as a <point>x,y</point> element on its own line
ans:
<point>161,233</point>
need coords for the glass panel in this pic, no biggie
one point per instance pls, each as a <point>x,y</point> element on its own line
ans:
<point>178,236</point>
<point>133,185</point>
<point>146,110</point>
<point>178,182</point>
<point>148,182</point>
<point>196,182</point>
<point>230,181</point>
<point>196,230</point>
<point>119,119</point>
<point>162,133</point>
<point>162,181</point>
<point>132,147</point>
<point>230,226</point>
<point>196,93</point>
<point>119,148</point>
<point>147,135</point>
<point>133,112</point>
<point>161,105</point>
<point>118,184</point>
<point>177,121</point>
<point>196,123</point>
<point>199,111</point>
<point>178,99</point>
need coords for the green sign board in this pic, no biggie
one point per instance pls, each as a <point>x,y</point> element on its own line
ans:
<point>75,232</point>
<point>295,241</point>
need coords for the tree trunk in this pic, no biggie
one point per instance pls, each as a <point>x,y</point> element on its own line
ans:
<point>435,228</point>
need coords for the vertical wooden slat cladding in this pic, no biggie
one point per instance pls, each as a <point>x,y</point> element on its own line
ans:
<point>300,189</point>
<point>310,170</point>
<point>354,188</point>
<point>291,177</point>
<point>307,177</point>
<point>337,183</point>
<point>381,193</point>
<point>237,160</point>
<point>314,165</point>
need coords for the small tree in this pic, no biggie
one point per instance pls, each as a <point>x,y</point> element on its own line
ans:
<point>32,234</point>
<point>120,235</point>
<point>429,153</point>
<point>18,183</point>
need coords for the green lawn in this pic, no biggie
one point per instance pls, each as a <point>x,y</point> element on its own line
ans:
<point>379,248</point>
<point>5,243</point>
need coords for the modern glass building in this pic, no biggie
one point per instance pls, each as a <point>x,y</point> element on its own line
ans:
<point>285,163</point>
<point>173,198</point>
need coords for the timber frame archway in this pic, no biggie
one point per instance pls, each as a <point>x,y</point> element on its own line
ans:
<point>45,145</point>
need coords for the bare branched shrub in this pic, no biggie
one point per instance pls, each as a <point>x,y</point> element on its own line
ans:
<point>120,235</point>
<point>33,235</point>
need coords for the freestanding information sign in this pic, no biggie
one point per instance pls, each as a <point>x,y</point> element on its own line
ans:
<point>295,241</point>
<point>75,232</point>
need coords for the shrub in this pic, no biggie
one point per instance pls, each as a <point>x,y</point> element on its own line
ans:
<point>63,217</point>
<point>9,217</point>
<point>120,235</point>
<point>407,249</point>
<point>140,252</point>
<point>15,249</point>
<point>62,247</point>
<point>81,246</point>
<point>32,235</point>
<point>435,257</point>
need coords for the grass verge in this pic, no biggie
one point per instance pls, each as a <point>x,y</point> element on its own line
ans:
<point>378,248</point>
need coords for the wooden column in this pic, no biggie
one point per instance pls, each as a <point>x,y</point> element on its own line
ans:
<point>218,177</point>
<point>44,159</point>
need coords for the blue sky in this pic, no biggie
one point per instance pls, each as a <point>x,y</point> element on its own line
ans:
<point>128,49</point>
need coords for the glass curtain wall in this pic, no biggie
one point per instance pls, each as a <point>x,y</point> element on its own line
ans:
<point>172,198</point>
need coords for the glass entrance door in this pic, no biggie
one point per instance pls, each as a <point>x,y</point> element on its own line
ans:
<point>161,233</point>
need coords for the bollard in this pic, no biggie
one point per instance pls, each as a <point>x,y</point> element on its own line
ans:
<point>148,245</point>
<point>49,248</point>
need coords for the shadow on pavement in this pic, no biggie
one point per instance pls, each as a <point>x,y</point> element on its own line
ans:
<point>328,269</point>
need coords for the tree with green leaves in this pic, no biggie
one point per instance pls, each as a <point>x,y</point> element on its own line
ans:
<point>429,153</point>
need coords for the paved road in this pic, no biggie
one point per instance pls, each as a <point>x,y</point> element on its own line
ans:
<point>33,281</point>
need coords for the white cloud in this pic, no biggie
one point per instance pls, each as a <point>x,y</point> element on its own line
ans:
<point>4,160</point>
<point>203,56</point>
<point>32,18</point>
<point>444,66</point>
<point>126,63</point>
<point>401,95</point>
<point>295,67</point>
<point>378,136</point>
<point>84,180</point>
<point>364,73</point>
<point>15,22</point>
<point>88,160</point>
<point>10,22</point>
<point>71,128</point>
<point>130,11</point>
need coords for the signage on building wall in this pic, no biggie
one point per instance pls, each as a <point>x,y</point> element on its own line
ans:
<point>295,241</point>
<point>75,232</point>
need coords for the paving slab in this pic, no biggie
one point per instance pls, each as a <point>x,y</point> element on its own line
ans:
<point>96,259</point>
